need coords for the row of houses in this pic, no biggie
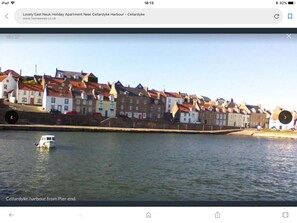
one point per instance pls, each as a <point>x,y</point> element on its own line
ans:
<point>78,91</point>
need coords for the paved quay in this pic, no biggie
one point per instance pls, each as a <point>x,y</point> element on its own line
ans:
<point>68,128</point>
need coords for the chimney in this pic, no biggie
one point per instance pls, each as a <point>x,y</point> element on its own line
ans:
<point>20,72</point>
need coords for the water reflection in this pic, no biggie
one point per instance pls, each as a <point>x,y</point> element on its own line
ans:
<point>121,166</point>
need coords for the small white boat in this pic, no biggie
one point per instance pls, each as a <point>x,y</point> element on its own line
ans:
<point>47,141</point>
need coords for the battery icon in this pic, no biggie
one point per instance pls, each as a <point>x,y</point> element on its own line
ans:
<point>291,3</point>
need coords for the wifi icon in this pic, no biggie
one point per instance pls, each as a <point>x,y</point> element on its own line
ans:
<point>12,2</point>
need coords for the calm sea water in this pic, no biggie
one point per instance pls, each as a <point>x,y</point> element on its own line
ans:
<point>148,167</point>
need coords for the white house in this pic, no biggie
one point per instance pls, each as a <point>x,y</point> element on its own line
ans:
<point>7,85</point>
<point>274,122</point>
<point>234,117</point>
<point>185,113</point>
<point>59,98</point>
<point>29,94</point>
<point>171,99</point>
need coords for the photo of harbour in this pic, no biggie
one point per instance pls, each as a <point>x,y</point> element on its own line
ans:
<point>148,167</point>
<point>147,118</point>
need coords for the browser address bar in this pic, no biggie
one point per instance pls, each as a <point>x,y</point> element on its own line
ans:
<point>148,16</point>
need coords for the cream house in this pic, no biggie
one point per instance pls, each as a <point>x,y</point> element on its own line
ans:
<point>29,94</point>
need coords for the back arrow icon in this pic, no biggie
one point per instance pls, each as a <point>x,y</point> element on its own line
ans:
<point>6,16</point>
<point>11,214</point>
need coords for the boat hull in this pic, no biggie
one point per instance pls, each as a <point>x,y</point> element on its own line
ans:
<point>48,145</point>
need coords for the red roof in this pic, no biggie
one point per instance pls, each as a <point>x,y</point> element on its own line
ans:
<point>153,93</point>
<point>13,73</point>
<point>2,77</point>
<point>185,108</point>
<point>53,81</point>
<point>172,94</point>
<point>59,92</point>
<point>30,87</point>
<point>77,84</point>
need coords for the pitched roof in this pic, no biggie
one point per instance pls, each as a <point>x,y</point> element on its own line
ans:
<point>172,94</point>
<point>30,87</point>
<point>78,94</point>
<point>152,93</point>
<point>206,99</point>
<point>254,108</point>
<point>2,77</point>
<point>13,73</point>
<point>137,91</point>
<point>70,74</point>
<point>77,84</point>
<point>59,92</point>
<point>98,86</point>
<point>185,108</point>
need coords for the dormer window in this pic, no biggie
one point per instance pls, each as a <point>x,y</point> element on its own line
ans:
<point>101,97</point>
<point>140,94</point>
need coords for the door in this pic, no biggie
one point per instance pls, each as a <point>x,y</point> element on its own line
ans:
<point>84,110</point>
<point>32,101</point>
<point>60,108</point>
<point>106,113</point>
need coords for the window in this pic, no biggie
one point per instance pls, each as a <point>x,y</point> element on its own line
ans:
<point>7,81</point>
<point>78,108</point>
<point>84,102</point>
<point>53,100</point>
<point>101,97</point>
<point>90,109</point>
<point>66,108</point>
<point>39,94</point>
<point>66,101</point>
<point>111,107</point>
<point>78,101</point>
<point>52,106</point>
<point>144,102</point>
<point>90,102</point>
<point>122,107</point>
<point>137,101</point>
<point>130,107</point>
<point>136,108</point>
<point>24,99</point>
<point>100,107</point>
<point>169,101</point>
<point>123,100</point>
<point>32,92</point>
<point>144,115</point>
<point>131,100</point>
<point>5,86</point>
<point>39,101</point>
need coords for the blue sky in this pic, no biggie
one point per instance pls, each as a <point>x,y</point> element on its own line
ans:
<point>257,69</point>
